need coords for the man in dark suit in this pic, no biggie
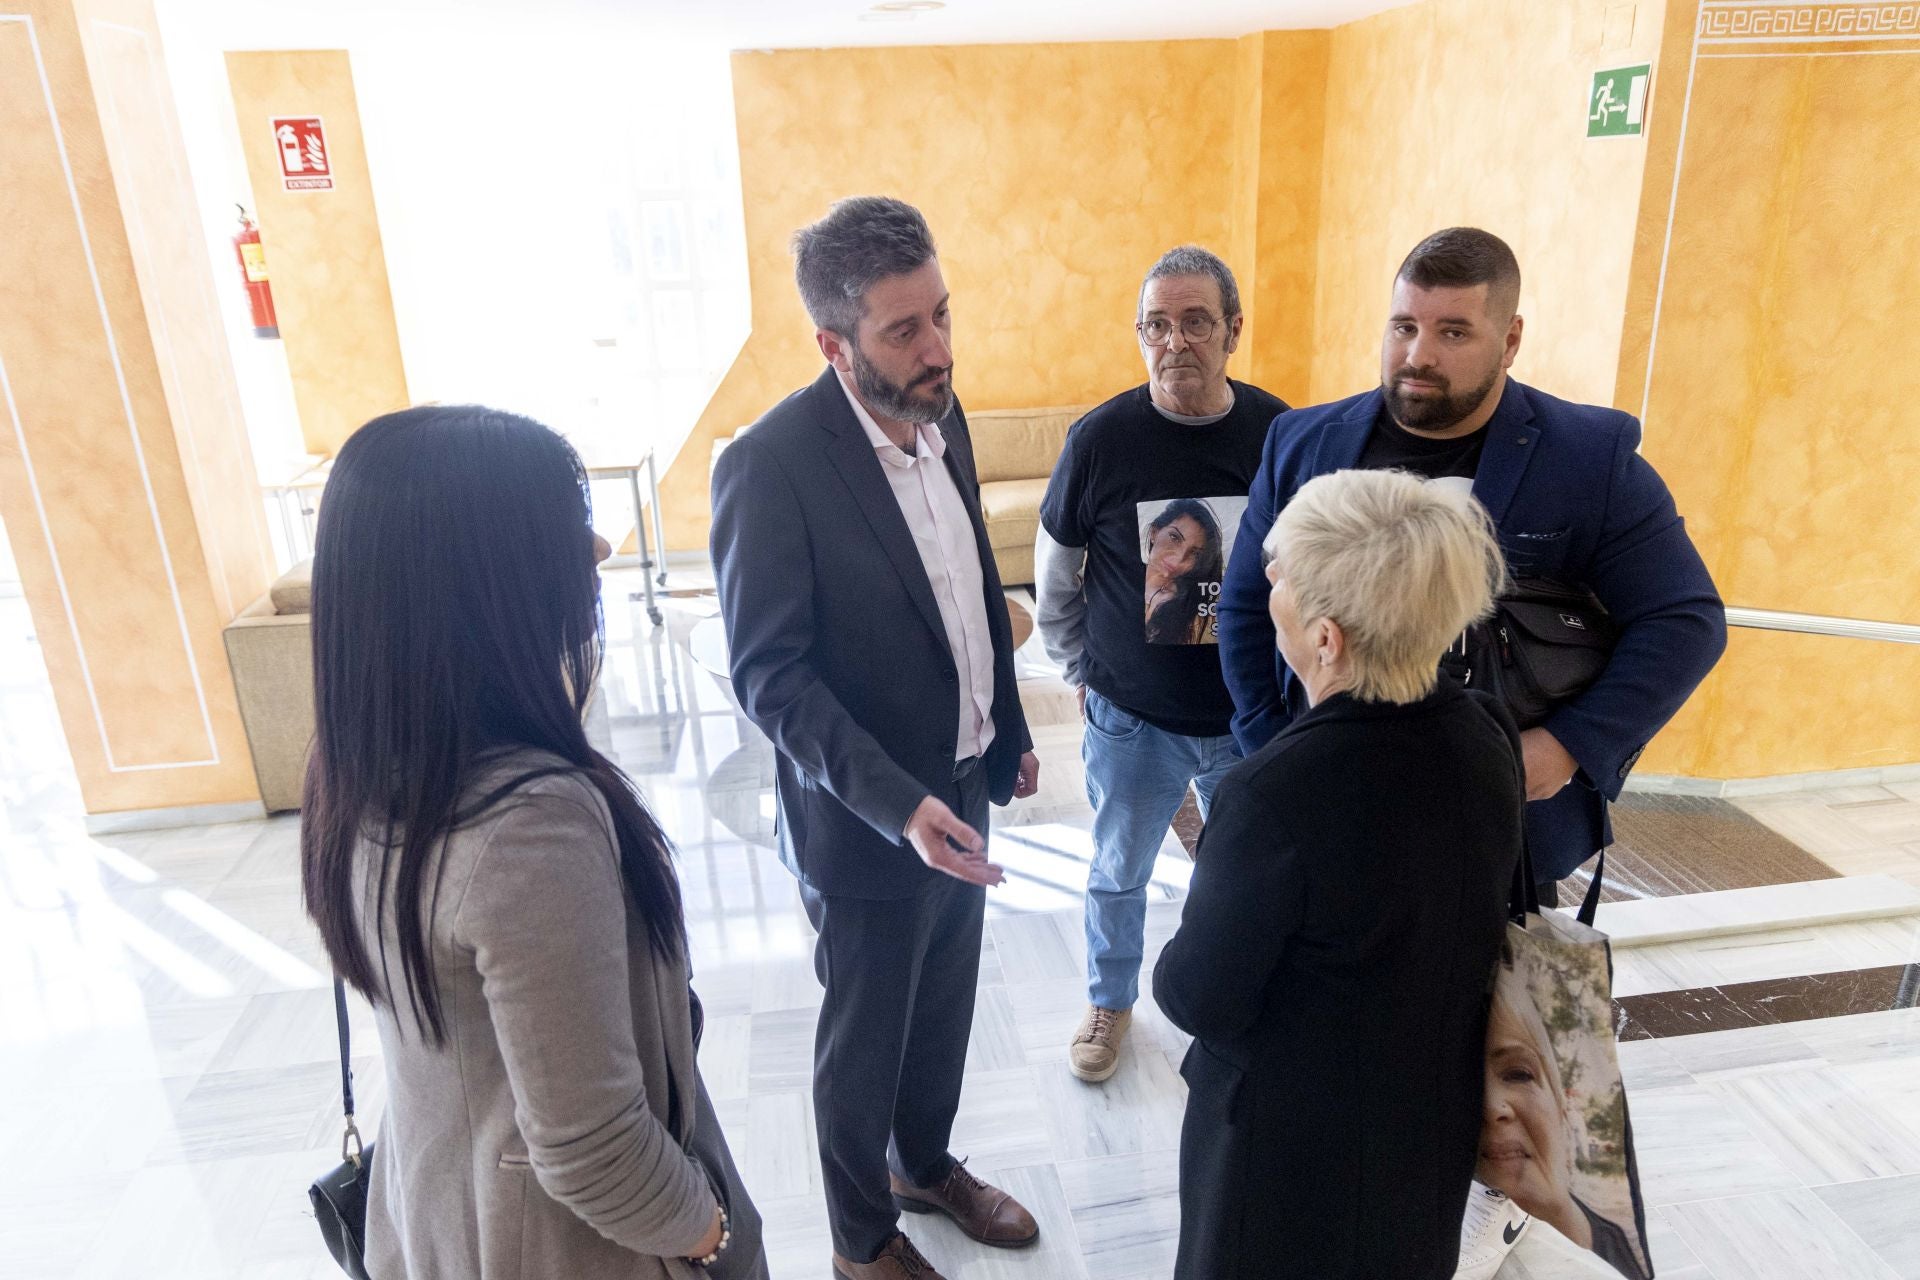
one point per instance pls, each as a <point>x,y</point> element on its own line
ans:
<point>870,641</point>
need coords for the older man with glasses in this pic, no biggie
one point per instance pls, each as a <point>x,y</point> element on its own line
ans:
<point>1135,531</point>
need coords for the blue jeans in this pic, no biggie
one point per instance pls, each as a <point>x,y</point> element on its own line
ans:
<point>1137,775</point>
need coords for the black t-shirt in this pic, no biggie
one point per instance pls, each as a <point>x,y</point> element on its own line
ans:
<point>1392,447</point>
<point>1142,492</point>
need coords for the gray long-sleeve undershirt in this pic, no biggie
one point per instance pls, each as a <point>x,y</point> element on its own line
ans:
<point>1059,583</point>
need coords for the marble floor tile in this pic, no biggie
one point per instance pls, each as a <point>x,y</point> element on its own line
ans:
<point>995,1044</point>
<point>777,1150</point>
<point>999,1124</point>
<point>1885,1214</point>
<point>1742,1052</point>
<point>265,1111</point>
<point>1038,948</point>
<point>1046,1014</point>
<point>1780,1235</point>
<point>1138,1110</point>
<point>51,1223</point>
<point>725,1055</point>
<point>1818,1124</point>
<point>1693,1145</point>
<point>780,1051</point>
<point>1126,1211</point>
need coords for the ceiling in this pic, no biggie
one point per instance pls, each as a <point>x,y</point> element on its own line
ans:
<point>787,24</point>
<point>801,24</point>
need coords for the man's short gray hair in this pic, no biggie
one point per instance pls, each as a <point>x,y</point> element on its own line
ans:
<point>1192,260</point>
<point>860,242</point>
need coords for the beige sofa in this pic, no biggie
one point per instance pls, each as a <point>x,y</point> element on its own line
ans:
<point>270,649</point>
<point>1014,450</point>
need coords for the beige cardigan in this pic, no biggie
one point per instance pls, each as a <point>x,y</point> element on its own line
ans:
<point>534,1143</point>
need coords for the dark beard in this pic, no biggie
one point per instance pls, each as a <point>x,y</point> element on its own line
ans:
<point>1449,410</point>
<point>901,403</point>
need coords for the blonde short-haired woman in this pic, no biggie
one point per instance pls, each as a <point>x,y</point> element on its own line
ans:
<point>1347,907</point>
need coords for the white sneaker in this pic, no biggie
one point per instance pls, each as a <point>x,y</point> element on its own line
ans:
<point>1493,1225</point>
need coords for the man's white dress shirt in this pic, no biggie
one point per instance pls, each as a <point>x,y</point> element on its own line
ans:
<point>943,535</point>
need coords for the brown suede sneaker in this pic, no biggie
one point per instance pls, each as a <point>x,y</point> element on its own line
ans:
<point>898,1261</point>
<point>985,1213</point>
<point>1094,1054</point>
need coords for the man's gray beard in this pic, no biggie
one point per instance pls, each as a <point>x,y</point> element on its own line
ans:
<point>896,402</point>
<point>1441,415</point>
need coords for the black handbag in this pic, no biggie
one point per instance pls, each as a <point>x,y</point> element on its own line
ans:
<point>1543,645</point>
<point>339,1196</point>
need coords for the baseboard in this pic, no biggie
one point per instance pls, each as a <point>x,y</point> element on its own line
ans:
<point>1730,788</point>
<point>123,821</point>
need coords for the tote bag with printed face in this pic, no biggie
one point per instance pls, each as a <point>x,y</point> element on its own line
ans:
<point>1555,1134</point>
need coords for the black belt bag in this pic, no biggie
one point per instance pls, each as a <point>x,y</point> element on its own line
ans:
<point>1543,645</point>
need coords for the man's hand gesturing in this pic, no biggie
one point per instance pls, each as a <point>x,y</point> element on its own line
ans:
<point>947,844</point>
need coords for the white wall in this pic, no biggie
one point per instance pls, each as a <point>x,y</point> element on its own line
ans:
<point>559,201</point>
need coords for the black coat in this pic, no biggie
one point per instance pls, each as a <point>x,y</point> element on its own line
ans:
<point>836,645</point>
<point>1333,963</point>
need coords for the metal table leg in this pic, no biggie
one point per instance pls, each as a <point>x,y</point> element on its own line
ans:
<point>640,545</point>
<point>659,530</point>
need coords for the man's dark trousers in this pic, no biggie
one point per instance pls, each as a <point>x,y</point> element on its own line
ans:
<point>899,977</point>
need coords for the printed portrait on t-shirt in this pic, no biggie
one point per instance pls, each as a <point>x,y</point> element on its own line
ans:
<point>1184,543</point>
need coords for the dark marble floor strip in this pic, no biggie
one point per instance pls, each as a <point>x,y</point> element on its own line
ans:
<point>1659,1014</point>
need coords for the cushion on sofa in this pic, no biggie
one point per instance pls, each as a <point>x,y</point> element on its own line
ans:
<point>1011,510</point>
<point>1019,444</point>
<point>292,591</point>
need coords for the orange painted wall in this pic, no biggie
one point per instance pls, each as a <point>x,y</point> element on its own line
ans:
<point>1778,240</point>
<point>1052,176</point>
<point>324,254</point>
<point>1471,112</point>
<point>1282,93</point>
<point>133,542</point>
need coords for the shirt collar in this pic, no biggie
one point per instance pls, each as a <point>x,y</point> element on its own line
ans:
<point>932,443</point>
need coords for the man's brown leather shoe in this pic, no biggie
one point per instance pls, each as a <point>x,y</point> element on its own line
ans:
<point>984,1212</point>
<point>898,1261</point>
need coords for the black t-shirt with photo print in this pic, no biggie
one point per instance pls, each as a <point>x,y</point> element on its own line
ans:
<point>1157,505</point>
<point>1392,447</point>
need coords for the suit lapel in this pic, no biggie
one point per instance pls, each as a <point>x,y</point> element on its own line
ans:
<point>1509,448</point>
<point>859,466</point>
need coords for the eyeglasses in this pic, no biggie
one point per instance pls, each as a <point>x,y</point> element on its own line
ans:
<point>1194,328</point>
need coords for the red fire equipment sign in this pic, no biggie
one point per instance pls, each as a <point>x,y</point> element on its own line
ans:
<point>302,141</point>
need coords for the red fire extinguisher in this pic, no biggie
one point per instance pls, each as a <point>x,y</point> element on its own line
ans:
<point>253,270</point>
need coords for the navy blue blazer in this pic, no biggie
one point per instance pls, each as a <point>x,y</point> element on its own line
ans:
<point>1572,500</point>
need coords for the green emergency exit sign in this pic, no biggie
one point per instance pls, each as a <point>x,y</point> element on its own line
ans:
<point>1617,103</point>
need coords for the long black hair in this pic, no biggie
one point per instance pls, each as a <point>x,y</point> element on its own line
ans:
<point>1172,620</point>
<point>456,619</point>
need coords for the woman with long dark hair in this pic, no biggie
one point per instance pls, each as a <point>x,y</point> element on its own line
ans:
<point>493,884</point>
<point>1183,554</point>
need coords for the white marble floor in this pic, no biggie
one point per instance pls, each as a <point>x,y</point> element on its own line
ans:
<point>167,1045</point>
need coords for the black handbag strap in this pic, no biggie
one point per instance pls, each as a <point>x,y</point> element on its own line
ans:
<point>350,1146</point>
<point>1590,905</point>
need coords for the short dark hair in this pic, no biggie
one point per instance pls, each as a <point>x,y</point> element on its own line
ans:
<point>860,242</point>
<point>1461,257</point>
<point>1192,260</point>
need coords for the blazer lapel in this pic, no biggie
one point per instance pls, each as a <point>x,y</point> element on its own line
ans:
<point>1509,448</point>
<point>854,458</point>
<point>1346,439</point>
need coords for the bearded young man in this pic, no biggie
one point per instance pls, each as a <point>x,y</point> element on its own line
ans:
<point>1573,502</point>
<point>870,640</point>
